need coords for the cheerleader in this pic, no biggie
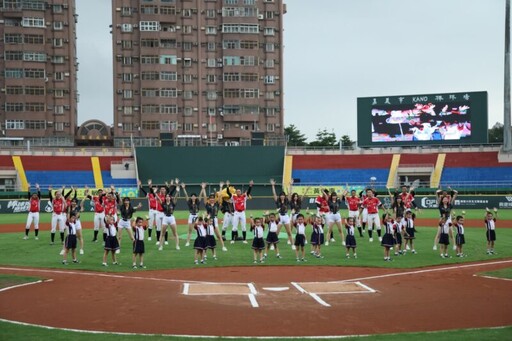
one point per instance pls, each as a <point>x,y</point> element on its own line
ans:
<point>58,216</point>
<point>353,203</point>
<point>334,217</point>
<point>152,203</point>
<point>168,207</point>
<point>212,207</point>
<point>200,242</point>
<point>296,202</point>
<point>350,240</point>
<point>397,204</point>
<point>459,238</point>
<point>193,209</point>
<point>34,200</point>
<point>127,211</point>
<point>409,230</point>
<point>398,234</point>
<point>446,202</point>
<point>138,242</point>
<point>258,244</point>
<point>490,229</point>
<point>70,241</point>
<point>443,236</point>
<point>300,238</point>
<point>75,210</point>
<point>272,237</point>
<point>211,243</point>
<point>99,213</point>
<point>388,241</point>
<point>317,236</point>
<point>282,203</point>
<point>111,242</point>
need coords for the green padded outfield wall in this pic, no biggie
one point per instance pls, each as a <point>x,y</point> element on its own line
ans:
<point>194,165</point>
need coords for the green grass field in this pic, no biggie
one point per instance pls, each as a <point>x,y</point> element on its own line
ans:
<point>40,254</point>
<point>503,273</point>
<point>10,280</point>
<point>32,253</point>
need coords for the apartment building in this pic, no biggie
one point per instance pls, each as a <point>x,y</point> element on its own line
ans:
<point>38,72</point>
<point>198,72</point>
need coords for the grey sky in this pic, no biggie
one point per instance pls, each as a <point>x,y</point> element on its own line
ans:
<point>338,50</point>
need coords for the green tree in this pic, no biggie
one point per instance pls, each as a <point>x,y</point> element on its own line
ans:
<point>295,137</point>
<point>325,139</point>
<point>346,142</point>
<point>495,134</point>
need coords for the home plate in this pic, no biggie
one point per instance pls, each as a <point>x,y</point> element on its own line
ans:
<point>277,289</point>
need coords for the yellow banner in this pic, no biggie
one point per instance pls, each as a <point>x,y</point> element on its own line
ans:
<point>316,190</point>
<point>131,192</point>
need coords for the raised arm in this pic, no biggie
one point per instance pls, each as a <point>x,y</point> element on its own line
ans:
<point>141,188</point>
<point>203,193</point>
<point>68,193</point>
<point>248,192</point>
<point>227,189</point>
<point>175,198</point>
<point>50,195</point>
<point>273,184</point>
<point>29,195</point>
<point>183,186</point>
<point>454,195</point>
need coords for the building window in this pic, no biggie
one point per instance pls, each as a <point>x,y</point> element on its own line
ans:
<point>239,12</point>
<point>211,13</point>
<point>211,46</point>
<point>168,43</point>
<point>33,22</point>
<point>127,126</point>
<point>250,2</point>
<point>167,10</point>
<point>187,62</point>
<point>57,8</point>
<point>13,38</point>
<point>249,77</point>
<point>269,47</point>
<point>269,63</point>
<point>148,9</point>
<point>240,60</point>
<point>14,90</point>
<point>127,60</point>
<point>33,39</point>
<point>187,111</point>
<point>211,30</point>
<point>126,28</point>
<point>35,124</point>
<point>34,73</point>
<point>59,126</point>
<point>269,15</point>
<point>168,59</point>
<point>57,59</point>
<point>230,2</point>
<point>58,93</point>
<point>269,31</point>
<point>127,110</point>
<point>34,91</point>
<point>169,92</point>
<point>270,111</point>
<point>149,76</point>
<point>168,109</point>
<point>149,43</point>
<point>271,127</point>
<point>211,111</point>
<point>13,55</point>
<point>13,73</point>
<point>186,29</point>
<point>211,62</point>
<point>211,78</point>
<point>231,44</point>
<point>34,107</point>
<point>149,26</point>
<point>58,109</point>
<point>14,107</point>
<point>127,93</point>
<point>188,127</point>
<point>240,28</point>
<point>126,44</point>
<point>168,76</point>
<point>187,12</point>
<point>165,126</point>
<point>186,46</point>
<point>150,125</point>
<point>58,76</point>
<point>211,94</point>
<point>127,77</point>
<point>58,42</point>
<point>149,59</point>
<point>187,94</point>
<point>187,78</point>
<point>269,79</point>
<point>58,25</point>
<point>269,95</point>
<point>14,124</point>
<point>149,92</point>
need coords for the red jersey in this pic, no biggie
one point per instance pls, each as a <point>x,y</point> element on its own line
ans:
<point>372,204</point>
<point>34,205</point>
<point>159,207</point>
<point>322,204</point>
<point>98,206</point>
<point>58,206</point>
<point>110,206</point>
<point>239,202</point>
<point>353,203</point>
<point>407,199</point>
<point>152,201</point>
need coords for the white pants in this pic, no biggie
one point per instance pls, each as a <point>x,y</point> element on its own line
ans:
<point>168,220</point>
<point>192,218</point>
<point>78,225</point>
<point>58,219</point>
<point>373,218</point>
<point>284,219</point>
<point>159,219</point>
<point>153,216</point>
<point>124,224</point>
<point>355,215</point>
<point>33,217</point>
<point>365,215</point>
<point>228,219</point>
<point>239,218</point>
<point>99,221</point>
<point>333,218</point>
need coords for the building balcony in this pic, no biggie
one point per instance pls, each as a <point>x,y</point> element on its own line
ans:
<point>241,118</point>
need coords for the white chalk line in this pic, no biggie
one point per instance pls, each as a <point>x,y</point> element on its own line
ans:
<point>253,301</point>
<point>186,286</point>
<point>313,295</point>
<point>21,285</point>
<point>366,287</point>
<point>492,277</point>
<point>325,337</point>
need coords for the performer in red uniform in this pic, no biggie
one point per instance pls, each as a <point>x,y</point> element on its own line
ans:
<point>99,213</point>
<point>372,204</point>
<point>152,203</point>
<point>239,202</point>
<point>58,215</point>
<point>353,203</point>
<point>33,214</point>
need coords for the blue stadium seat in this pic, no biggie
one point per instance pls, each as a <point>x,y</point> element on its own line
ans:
<point>108,180</point>
<point>476,174</point>
<point>339,176</point>
<point>59,178</point>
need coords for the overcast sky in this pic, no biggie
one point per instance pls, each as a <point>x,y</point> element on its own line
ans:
<point>338,50</point>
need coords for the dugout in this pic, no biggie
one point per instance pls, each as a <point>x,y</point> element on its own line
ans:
<point>193,165</point>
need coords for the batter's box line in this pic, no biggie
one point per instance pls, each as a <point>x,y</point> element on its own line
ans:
<point>251,295</point>
<point>316,297</point>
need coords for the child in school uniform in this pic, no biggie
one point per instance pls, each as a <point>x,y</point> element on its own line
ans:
<point>258,244</point>
<point>388,241</point>
<point>350,240</point>
<point>300,238</point>
<point>317,236</point>
<point>272,237</point>
<point>211,243</point>
<point>200,242</point>
<point>459,238</point>
<point>138,243</point>
<point>398,233</point>
<point>70,241</point>
<point>408,229</point>
<point>443,236</point>
<point>490,229</point>
<point>111,242</point>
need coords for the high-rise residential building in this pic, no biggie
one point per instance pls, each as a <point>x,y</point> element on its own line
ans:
<point>38,72</point>
<point>198,71</point>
